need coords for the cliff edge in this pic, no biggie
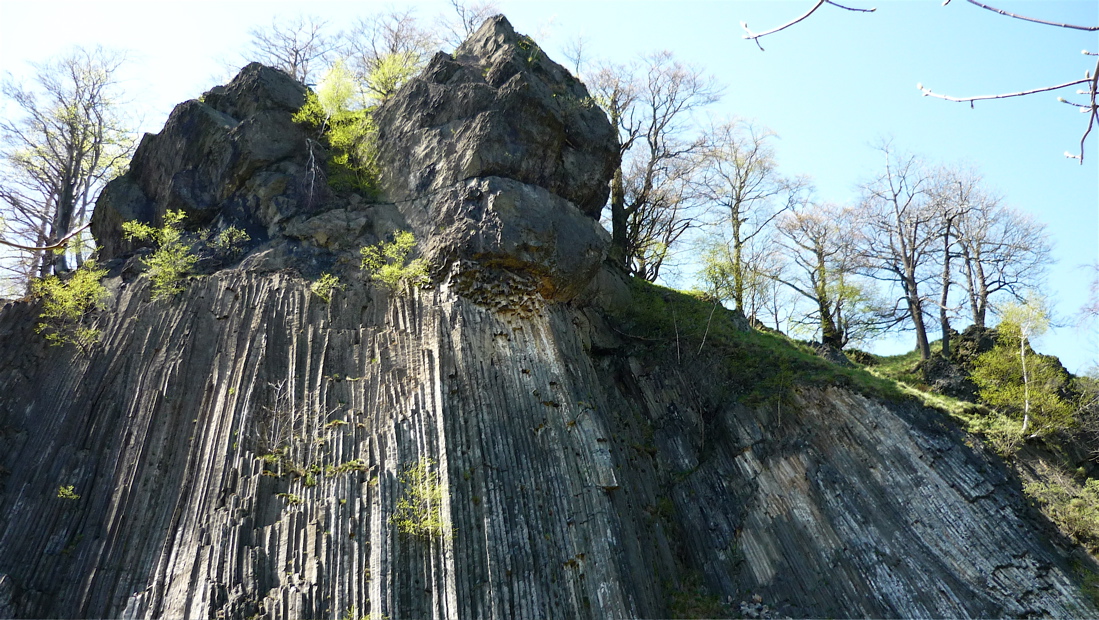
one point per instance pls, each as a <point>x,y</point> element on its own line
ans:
<point>515,440</point>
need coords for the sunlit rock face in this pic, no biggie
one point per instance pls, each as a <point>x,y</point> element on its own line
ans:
<point>242,449</point>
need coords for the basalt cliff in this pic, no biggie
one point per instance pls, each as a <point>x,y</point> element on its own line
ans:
<point>241,449</point>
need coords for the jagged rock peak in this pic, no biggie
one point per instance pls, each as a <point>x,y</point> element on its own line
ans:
<point>257,88</point>
<point>498,107</point>
<point>235,153</point>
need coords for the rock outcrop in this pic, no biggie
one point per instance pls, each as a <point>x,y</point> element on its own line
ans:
<point>236,155</point>
<point>240,450</point>
<point>497,107</point>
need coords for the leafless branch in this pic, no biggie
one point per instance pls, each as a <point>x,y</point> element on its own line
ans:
<point>928,93</point>
<point>1090,78</point>
<point>56,246</point>
<point>1029,19</point>
<point>756,36</point>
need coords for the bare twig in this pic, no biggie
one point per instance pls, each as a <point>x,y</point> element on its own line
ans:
<point>756,36</point>
<point>1093,118</point>
<point>60,242</point>
<point>1091,78</point>
<point>707,332</point>
<point>928,93</point>
<point>1030,19</point>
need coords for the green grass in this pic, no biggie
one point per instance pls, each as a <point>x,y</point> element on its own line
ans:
<point>758,367</point>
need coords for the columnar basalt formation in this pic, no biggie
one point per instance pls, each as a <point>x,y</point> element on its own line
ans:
<point>583,472</point>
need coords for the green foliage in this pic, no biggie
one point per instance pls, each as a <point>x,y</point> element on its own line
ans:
<point>349,137</point>
<point>230,241</point>
<point>419,513</point>
<point>67,492</point>
<point>388,263</point>
<point>390,72</point>
<point>172,260</point>
<point>291,499</point>
<point>65,304</point>
<point>1075,509</point>
<point>999,376</point>
<point>336,89</point>
<point>325,286</point>
<point>533,52</point>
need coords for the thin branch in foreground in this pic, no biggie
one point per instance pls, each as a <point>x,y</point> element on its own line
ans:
<point>56,246</point>
<point>1093,118</point>
<point>756,36</point>
<point>1030,19</point>
<point>928,93</point>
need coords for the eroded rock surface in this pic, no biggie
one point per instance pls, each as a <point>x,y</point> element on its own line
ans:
<point>583,472</point>
<point>577,482</point>
<point>499,107</point>
<point>236,154</point>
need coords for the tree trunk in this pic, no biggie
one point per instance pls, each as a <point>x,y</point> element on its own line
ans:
<point>944,319</point>
<point>738,264</point>
<point>618,253</point>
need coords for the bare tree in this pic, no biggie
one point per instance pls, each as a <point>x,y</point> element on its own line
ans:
<point>1090,81</point>
<point>901,227</point>
<point>821,242</point>
<point>67,142</point>
<point>386,49</point>
<point>467,18</point>
<point>299,46</point>
<point>741,183</point>
<point>1001,251</point>
<point>651,105</point>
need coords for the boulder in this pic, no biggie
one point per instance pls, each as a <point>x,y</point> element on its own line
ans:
<point>498,107</point>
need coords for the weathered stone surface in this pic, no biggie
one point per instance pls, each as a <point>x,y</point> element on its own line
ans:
<point>498,107</point>
<point>579,481</point>
<point>948,378</point>
<point>238,155</point>
<point>582,474</point>
<point>502,223</point>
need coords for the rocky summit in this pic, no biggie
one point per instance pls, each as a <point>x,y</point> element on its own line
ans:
<point>527,435</point>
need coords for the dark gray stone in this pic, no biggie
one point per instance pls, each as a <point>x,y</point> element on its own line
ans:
<point>498,107</point>
<point>237,154</point>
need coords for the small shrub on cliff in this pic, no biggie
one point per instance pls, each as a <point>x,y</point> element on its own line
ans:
<point>230,242</point>
<point>172,260</point>
<point>65,304</point>
<point>1074,509</point>
<point>347,134</point>
<point>325,286</point>
<point>388,263</point>
<point>67,492</point>
<point>419,512</point>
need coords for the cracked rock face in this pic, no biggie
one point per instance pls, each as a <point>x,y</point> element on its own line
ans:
<point>236,154</point>
<point>583,472</point>
<point>498,107</point>
<point>576,481</point>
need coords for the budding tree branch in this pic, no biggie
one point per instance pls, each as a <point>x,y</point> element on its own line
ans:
<point>1090,78</point>
<point>1028,19</point>
<point>756,36</point>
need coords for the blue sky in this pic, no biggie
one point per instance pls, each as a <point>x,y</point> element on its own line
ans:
<point>830,87</point>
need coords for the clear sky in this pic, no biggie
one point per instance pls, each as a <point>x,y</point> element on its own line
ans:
<point>830,86</point>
